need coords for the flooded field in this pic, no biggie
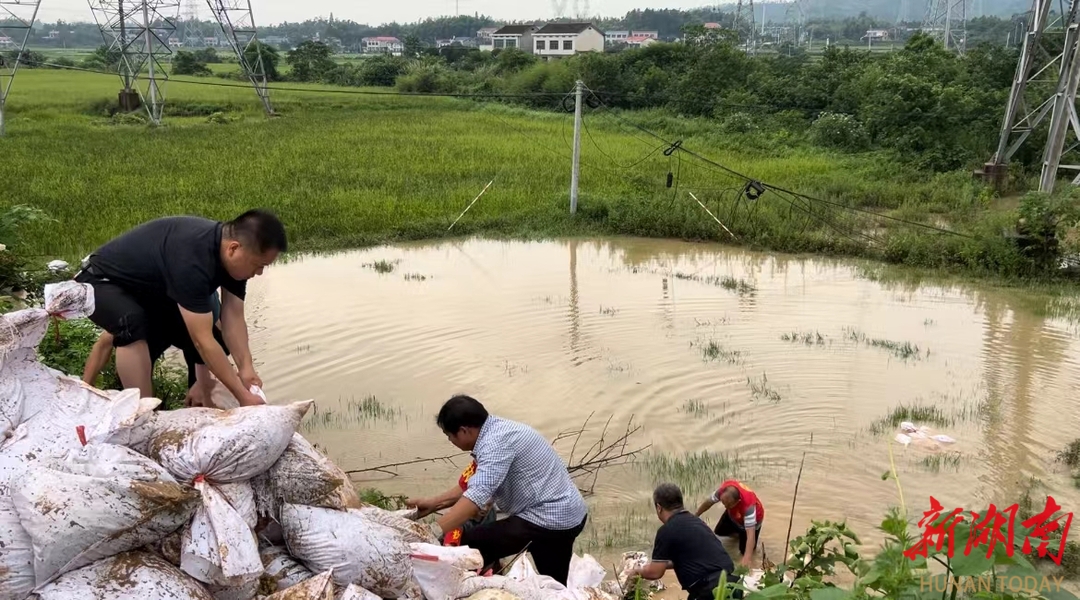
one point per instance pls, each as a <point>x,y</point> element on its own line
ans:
<point>734,363</point>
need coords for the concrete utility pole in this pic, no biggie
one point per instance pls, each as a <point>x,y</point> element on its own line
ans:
<point>19,17</point>
<point>575,173</point>
<point>1025,111</point>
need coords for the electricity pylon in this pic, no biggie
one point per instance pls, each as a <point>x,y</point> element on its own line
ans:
<point>16,21</point>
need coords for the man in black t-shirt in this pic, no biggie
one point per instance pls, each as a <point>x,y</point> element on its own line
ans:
<point>686,544</point>
<point>152,290</point>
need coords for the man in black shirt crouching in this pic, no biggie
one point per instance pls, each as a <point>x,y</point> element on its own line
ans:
<point>686,544</point>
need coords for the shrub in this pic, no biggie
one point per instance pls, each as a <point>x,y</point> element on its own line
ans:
<point>844,132</point>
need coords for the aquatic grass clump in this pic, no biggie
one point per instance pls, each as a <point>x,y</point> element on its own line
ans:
<point>810,338</point>
<point>936,462</point>
<point>901,350</point>
<point>694,472</point>
<point>696,408</point>
<point>714,350</point>
<point>381,266</point>
<point>739,286</point>
<point>912,413</point>
<point>363,411</point>
<point>760,389</point>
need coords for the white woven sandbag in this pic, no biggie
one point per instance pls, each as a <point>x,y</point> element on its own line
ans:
<point>218,547</point>
<point>303,475</point>
<point>16,554</point>
<point>97,502</point>
<point>355,592</point>
<point>524,590</point>
<point>241,497</point>
<point>281,571</point>
<point>77,414</point>
<point>247,591</point>
<point>126,576</point>
<point>359,550</point>
<point>69,300</point>
<point>440,571</point>
<point>411,531</point>
<point>319,587</point>
<point>235,445</point>
<point>585,572</point>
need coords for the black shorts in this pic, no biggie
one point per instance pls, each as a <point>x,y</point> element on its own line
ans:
<point>132,317</point>
<point>728,528</point>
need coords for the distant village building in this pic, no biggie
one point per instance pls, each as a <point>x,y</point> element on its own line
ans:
<point>514,36</point>
<point>277,41</point>
<point>566,39</point>
<point>6,42</point>
<point>876,34</point>
<point>382,45</point>
<point>617,37</point>
<point>464,42</point>
<point>713,26</point>
<point>640,41</point>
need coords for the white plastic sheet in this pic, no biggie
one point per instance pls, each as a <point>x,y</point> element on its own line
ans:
<point>359,550</point>
<point>127,576</point>
<point>97,502</point>
<point>585,572</point>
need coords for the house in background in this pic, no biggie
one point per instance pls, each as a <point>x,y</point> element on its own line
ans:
<point>464,42</point>
<point>713,26</point>
<point>876,35</point>
<point>639,41</point>
<point>616,37</point>
<point>514,36</point>
<point>483,38</point>
<point>566,39</point>
<point>382,45</point>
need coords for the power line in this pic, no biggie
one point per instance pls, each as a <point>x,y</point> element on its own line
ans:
<point>776,188</point>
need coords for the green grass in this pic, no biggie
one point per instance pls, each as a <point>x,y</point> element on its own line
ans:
<point>382,266</point>
<point>739,286</point>
<point>346,170</point>
<point>696,408</point>
<point>938,462</point>
<point>694,473</point>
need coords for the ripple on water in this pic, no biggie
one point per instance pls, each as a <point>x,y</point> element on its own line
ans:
<point>689,340</point>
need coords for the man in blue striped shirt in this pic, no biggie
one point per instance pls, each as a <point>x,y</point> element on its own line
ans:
<point>517,468</point>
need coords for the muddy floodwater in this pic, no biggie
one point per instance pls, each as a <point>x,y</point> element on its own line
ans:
<point>734,363</point>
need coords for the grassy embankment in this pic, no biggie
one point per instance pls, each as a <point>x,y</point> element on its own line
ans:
<point>347,170</point>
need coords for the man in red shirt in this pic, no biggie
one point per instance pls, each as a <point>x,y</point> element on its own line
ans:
<point>743,517</point>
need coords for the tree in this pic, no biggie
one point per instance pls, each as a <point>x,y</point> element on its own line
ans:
<point>412,46</point>
<point>310,61</point>
<point>188,63</point>
<point>208,56</point>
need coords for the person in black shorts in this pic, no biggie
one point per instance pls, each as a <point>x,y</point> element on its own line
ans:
<point>152,289</point>
<point>686,544</point>
<point>199,395</point>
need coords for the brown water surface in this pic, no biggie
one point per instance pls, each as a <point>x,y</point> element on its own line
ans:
<point>550,333</point>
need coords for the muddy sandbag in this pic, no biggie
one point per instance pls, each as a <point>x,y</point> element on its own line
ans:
<point>355,592</point>
<point>97,502</point>
<point>225,446</point>
<point>280,570</point>
<point>219,546</point>
<point>359,550</point>
<point>247,591</point>
<point>303,475</point>
<point>441,571</point>
<point>492,594</point>
<point>16,554</point>
<point>411,531</point>
<point>126,576</point>
<point>319,587</point>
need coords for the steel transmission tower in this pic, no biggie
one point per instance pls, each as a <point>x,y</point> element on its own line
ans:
<point>16,21</point>
<point>238,24</point>
<point>194,36</point>
<point>1045,84</point>
<point>139,31</point>
<point>743,25</point>
<point>946,20</point>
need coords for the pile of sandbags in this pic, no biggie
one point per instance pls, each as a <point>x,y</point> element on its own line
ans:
<point>102,497</point>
